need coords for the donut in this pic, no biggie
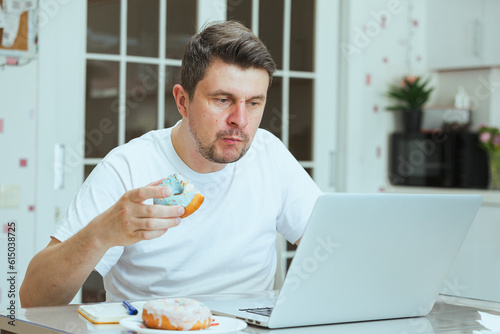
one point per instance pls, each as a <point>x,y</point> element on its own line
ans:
<point>183,193</point>
<point>179,314</point>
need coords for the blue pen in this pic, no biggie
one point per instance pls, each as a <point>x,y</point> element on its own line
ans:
<point>131,309</point>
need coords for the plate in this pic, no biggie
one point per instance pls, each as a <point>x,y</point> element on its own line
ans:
<point>219,325</point>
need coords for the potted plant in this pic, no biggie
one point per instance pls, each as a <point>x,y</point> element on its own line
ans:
<point>409,97</point>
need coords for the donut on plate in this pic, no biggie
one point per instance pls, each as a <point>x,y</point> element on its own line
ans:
<point>176,314</point>
<point>183,193</point>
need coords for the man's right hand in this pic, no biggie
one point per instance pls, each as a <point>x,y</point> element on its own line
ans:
<point>130,220</point>
<point>56,273</point>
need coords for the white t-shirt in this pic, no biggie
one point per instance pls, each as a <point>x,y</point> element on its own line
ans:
<point>227,245</point>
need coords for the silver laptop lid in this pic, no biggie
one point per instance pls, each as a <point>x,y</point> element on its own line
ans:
<point>373,256</point>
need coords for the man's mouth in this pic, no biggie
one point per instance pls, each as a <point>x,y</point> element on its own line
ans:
<point>233,137</point>
<point>232,140</point>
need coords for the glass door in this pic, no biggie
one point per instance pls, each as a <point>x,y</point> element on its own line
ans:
<point>133,58</point>
<point>134,51</point>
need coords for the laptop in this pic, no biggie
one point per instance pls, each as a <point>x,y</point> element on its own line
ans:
<point>365,257</point>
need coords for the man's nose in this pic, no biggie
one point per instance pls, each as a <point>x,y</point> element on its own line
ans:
<point>238,116</point>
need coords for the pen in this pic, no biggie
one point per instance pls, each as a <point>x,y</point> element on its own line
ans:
<point>131,309</point>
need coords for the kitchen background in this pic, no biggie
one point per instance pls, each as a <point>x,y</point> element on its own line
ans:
<point>360,48</point>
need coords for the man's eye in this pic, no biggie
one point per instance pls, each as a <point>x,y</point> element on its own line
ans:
<point>222,101</point>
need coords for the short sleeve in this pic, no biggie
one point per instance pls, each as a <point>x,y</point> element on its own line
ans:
<point>299,194</point>
<point>101,190</point>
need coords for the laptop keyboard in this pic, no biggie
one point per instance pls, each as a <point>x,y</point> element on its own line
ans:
<point>265,311</point>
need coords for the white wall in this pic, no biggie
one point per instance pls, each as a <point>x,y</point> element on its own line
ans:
<point>375,53</point>
<point>19,116</point>
<point>39,107</point>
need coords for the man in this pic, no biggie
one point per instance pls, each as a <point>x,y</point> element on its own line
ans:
<point>252,185</point>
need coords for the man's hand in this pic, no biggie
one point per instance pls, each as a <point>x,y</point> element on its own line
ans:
<point>56,273</point>
<point>130,220</point>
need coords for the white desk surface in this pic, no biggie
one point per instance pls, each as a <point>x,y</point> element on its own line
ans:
<point>449,315</point>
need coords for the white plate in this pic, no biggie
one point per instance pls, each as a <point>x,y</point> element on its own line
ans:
<point>224,325</point>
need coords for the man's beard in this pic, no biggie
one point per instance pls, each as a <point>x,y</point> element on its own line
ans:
<point>208,151</point>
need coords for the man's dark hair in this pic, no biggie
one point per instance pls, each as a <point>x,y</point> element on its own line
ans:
<point>229,41</point>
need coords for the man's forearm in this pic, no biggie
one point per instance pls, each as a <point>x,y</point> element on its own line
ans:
<point>55,274</point>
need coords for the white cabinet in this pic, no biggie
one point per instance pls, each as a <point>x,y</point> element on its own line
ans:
<point>491,14</point>
<point>463,33</point>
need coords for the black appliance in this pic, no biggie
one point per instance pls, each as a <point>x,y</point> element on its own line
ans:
<point>438,159</point>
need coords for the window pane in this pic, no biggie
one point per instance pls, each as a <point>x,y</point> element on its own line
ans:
<point>301,116</point>
<point>181,25</point>
<point>240,10</point>
<point>87,169</point>
<point>172,77</point>
<point>302,35</point>
<point>142,99</point>
<point>103,26</point>
<point>143,28</point>
<point>101,108</point>
<point>271,28</point>
<point>273,114</point>
<point>310,172</point>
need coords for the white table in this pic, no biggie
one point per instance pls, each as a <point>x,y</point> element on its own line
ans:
<point>449,315</point>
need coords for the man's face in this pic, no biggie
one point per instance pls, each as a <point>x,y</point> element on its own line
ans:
<point>226,110</point>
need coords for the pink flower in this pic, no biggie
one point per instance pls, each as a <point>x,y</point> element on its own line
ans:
<point>482,125</point>
<point>485,137</point>
<point>496,140</point>
<point>409,79</point>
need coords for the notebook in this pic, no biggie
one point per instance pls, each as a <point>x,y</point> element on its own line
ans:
<point>107,313</point>
<point>366,257</point>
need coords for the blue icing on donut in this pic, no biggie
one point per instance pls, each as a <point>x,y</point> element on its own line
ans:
<point>182,191</point>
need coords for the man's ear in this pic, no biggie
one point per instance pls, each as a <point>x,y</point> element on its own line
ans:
<point>181,99</point>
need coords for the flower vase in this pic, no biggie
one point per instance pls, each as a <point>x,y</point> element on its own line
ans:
<point>412,120</point>
<point>494,158</point>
